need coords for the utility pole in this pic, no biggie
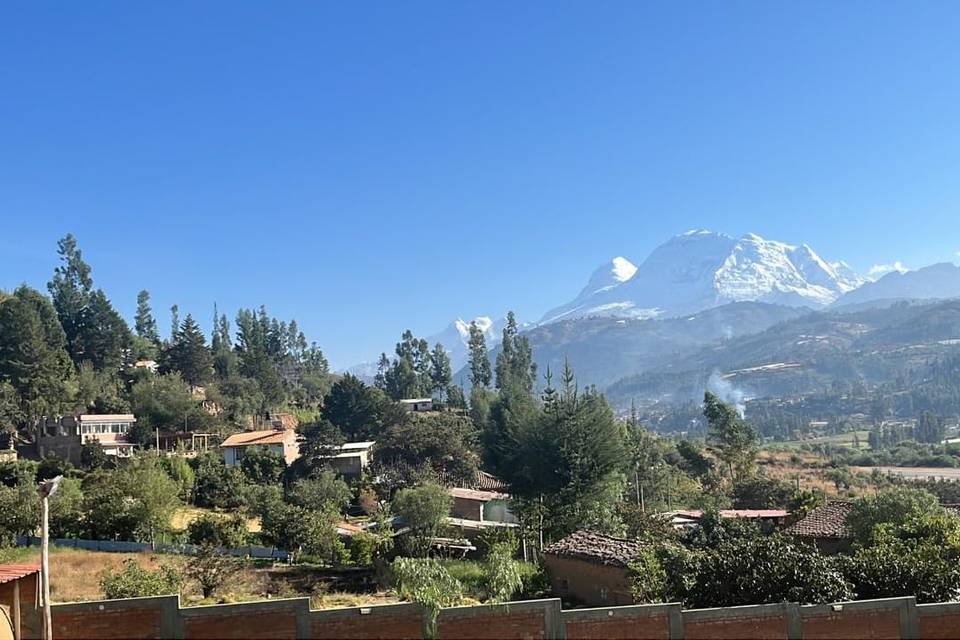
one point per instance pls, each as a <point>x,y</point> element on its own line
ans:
<point>47,489</point>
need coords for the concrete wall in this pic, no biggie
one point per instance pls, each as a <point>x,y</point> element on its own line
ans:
<point>162,617</point>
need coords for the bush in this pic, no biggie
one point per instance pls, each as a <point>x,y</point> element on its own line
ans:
<point>365,546</point>
<point>211,569</point>
<point>217,531</point>
<point>133,581</point>
<point>503,572</point>
<point>326,490</point>
<point>426,582</point>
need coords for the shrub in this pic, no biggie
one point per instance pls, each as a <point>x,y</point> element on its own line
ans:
<point>503,572</point>
<point>217,532</point>
<point>211,569</point>
<point>426,582</point>
<point>133,581</point>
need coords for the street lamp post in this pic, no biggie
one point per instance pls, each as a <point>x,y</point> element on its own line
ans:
<point>47,489</point>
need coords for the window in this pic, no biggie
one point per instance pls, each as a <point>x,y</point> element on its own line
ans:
<point>565,585</point>
<point>603,593</point>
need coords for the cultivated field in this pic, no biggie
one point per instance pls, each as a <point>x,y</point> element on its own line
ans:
<point>915,473</point>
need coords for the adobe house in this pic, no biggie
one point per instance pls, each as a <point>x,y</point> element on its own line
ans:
<point>825,527</point>
<point>283,442</point>
<point>591,568</point>
<point>19,613</point>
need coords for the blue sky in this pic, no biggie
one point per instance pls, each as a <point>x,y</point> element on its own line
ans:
<point>370,167</point>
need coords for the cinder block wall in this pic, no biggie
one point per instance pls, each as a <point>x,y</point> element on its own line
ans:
<point>162,617</point>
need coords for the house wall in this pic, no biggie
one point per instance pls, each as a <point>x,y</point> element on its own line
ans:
<point>163,618</point>
<point>588,583</point>
<point>467,509</point>
<point>29,614</point>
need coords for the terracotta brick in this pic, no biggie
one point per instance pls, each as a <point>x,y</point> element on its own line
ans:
<point>865,625</point>
<point>620,628</point>
<point>736,628</point>
<point>527,625</point>
<point>136,622</point>
<point>945,627</point>
<point>260,625</point>
<point>374,627</point>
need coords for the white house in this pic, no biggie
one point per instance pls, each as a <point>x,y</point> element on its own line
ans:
<point>417,404</point>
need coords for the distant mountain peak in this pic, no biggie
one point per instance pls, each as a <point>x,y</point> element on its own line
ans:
<point>700,269</point>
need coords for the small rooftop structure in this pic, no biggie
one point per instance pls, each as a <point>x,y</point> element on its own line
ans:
<point>596,548</point>
<point>417,404</point>
<point>481,506</point>
<point>828,522</point>
<point>352,458</point>
<point>11,572</point>
<point>691,518</point>
<point>283,442</point>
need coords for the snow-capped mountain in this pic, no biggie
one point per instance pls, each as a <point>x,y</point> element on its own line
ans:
<point>701,269</point>
<point>934,282</point>
<point>457,335</point>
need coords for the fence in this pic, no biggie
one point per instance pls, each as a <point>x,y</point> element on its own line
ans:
<point>292,618</point>
<point>121,546</point>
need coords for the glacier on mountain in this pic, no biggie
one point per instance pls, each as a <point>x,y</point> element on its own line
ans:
<point>702,269</point>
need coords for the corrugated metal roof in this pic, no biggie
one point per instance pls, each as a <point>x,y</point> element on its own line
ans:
<point>108,417</point>
<point>11,572</point>
<point>474,494</point>
<point>272,436</point>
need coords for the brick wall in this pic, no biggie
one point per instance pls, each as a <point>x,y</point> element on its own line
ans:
<point>621,623</point>
<point>939,620</point>
<point>162,617</point>
<point>588,583</point>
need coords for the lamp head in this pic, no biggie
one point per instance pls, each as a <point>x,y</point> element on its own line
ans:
<point>49,487</point>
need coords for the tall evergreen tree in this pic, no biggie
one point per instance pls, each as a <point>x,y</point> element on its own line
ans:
<point>189,354</point>
<point>514,363</point>
<point>441,373</point>
<point>480,373</point>
<point>71,288</point>
<point>33,357</point>
<point>174,321</point>
<point>144,323</point>
<point>105,336</point>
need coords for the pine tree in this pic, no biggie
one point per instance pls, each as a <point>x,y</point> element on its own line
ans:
<point>174,321</point>
<point>514,363</point>
<point>441,373</point>
<point>480,373</point>
<point>105,336</point>
<point>71,288</point>
<point>189,354</point>
<point>144,323</point>
<point>383,370</point>
<point>33,357</point>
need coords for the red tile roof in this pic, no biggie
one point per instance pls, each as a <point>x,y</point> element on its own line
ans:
<point>488,482</point>
<point>597,548</point>
<point>11,572</point>
<point>828,521</point>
